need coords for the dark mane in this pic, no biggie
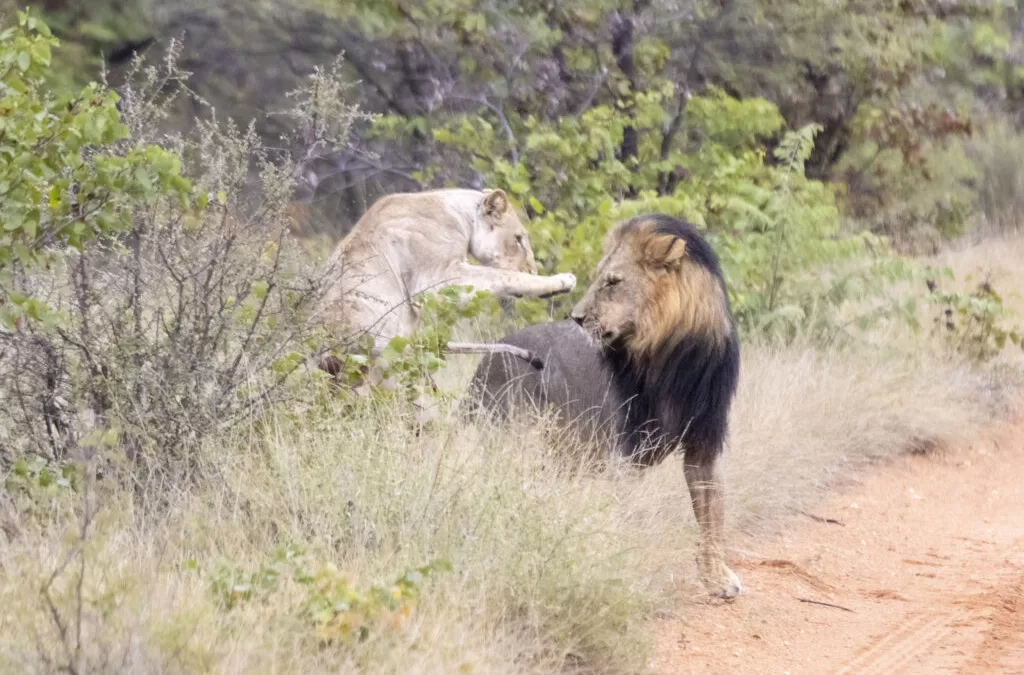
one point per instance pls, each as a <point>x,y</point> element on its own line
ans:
<point>681,393</point>
<point>685,393</point>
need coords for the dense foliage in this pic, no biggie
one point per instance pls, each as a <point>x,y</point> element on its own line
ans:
<point>889,82</point>
<point>589,110</point>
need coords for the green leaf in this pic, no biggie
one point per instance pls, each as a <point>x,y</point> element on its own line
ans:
<point>260,289</point>
<point>519,187</point>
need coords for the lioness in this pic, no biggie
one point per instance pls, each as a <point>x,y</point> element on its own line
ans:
<point>406,244</point>
<point>649,363</point>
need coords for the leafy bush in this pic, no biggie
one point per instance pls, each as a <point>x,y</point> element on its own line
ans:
<point>777,232</point>
<point>66,174</point>
<point>342,613</point>
<point>180,307</point>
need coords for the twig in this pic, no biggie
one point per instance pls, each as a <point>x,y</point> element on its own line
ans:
<point>495,348</point>
<point>513,150</point>
<point>824,604</point>
<point>830,521</point>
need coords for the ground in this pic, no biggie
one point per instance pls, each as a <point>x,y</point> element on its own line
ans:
<point>919,568</point>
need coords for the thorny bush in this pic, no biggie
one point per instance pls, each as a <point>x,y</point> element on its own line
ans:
<point>184,311</point>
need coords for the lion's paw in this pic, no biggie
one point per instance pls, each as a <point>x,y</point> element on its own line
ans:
<point>567,281</point>
<point>720,581</point>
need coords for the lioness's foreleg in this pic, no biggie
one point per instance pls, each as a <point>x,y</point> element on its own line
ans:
<point>704,479</point>
<point>510,283</point>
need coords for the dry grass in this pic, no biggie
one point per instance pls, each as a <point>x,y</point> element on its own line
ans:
<point>995,260</point>
<point>1000,259</point>
<point>555,566</point>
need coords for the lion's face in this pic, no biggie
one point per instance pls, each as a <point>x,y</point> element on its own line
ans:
<point>500,240</point>
<point>647,293</point>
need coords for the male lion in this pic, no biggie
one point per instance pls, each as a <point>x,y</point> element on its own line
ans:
<point>649,363</point>
<point>406,244</point>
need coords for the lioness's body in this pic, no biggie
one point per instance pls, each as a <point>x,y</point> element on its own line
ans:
<point>406,244</point>
<point>649,365</point>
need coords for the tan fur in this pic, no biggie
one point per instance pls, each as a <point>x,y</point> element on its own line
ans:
<point>408,244</point>
<point>659,297</point>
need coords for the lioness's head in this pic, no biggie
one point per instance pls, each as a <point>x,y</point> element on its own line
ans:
<point>657,283</point>
<point>499,238</point>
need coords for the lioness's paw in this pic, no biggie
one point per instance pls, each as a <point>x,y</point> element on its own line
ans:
<point>563,284</point>
<point>721,581</point>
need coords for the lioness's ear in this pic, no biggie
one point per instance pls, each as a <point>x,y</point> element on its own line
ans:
<point>495,203</point>
<point>665,251</point>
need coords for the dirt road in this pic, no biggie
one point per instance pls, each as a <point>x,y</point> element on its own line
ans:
<point>919,569</point>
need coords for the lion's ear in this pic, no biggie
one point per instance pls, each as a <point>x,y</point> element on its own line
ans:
<point>495,203</point>
<point>665,251</point>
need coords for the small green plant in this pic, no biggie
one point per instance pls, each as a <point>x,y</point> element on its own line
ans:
<point>232,585</point>
<point>37,472</point>
<point>974,323</point>
<point>39,490</point>
<point>341,613</point>
<point>40,480</point>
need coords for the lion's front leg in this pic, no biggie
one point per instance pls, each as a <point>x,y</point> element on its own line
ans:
<point>704,479</point>
<point>507,283</point>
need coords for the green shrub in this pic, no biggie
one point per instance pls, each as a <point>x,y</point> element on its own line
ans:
<point>69,173</point>
<point>974,324</point>
<point>337,610</point>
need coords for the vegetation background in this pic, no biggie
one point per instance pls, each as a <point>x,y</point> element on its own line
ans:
<point>181,493</point>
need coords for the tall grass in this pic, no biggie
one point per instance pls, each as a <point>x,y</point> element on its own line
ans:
<point>556,564</point>
<point>996,153</point>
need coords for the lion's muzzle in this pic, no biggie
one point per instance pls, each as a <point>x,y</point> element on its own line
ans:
<point>590,327</point>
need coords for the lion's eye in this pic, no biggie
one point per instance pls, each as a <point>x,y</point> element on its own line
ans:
<point>612,281</point>
<point>521,240</point>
